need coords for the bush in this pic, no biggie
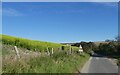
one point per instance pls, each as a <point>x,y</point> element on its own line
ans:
<point>108,48</point>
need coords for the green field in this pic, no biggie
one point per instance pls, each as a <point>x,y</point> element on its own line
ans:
<point>33,44</point>
<point>35,60</point>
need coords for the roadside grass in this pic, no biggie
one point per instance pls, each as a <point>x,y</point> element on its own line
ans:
<point>45,65</point>
<point>59,62</point>
<point>34,58</point>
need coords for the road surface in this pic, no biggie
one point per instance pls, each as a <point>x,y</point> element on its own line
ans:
<point>99,65</point>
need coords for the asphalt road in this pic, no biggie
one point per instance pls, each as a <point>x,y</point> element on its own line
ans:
<point>99,65</point>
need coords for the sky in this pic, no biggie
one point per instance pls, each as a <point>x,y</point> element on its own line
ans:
<point>60,0</point>
<point>60,21</point>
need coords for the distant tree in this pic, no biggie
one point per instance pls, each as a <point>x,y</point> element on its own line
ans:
<point>112,48</point>
<point>118,48</point>
<point>108,48</point>
<point>88,46</point>
<point>107,40</point>
<point>76,44</point>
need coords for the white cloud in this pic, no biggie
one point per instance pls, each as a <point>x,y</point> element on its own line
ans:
<point>10,12</point>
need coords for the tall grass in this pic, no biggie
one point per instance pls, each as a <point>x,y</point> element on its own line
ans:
<point>57,63</point>
<point>33,44</point>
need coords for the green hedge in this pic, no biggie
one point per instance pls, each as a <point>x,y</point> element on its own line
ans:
<point>32,44</point>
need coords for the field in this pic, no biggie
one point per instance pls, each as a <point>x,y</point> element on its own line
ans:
<point>33,44</point>
<point>34,58</point>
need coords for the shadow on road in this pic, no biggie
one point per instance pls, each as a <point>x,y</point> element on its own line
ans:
<point>97,55</point>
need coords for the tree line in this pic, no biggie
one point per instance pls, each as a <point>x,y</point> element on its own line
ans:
<point>108,47</point>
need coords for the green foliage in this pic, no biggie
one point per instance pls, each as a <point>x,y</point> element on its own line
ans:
<point>108,48</point>
<point>57,63</point>
<point>0,38</point>
<point>118,48</point>
<point>32,44</point>
<point>87,46</point>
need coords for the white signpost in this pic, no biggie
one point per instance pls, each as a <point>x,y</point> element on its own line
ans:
<point>80,50</point>
<point>52,51</point>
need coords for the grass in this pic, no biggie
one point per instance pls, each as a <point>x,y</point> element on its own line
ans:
<point>34,58</point>
<point>33,44</point>
<point>98,43</point>
<point>59,62</point>
<point>45,65</point>
<point>0,58</point>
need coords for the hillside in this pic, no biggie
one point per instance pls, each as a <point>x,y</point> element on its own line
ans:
<point>98,43</point>
<point>34,58</point>
<point>33,44</point>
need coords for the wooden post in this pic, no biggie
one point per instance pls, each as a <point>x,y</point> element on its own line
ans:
<point>70,50</point>
<point>48,51</point>
<point>60,48</point>
<point>17,52</point>
<point>52,51</point>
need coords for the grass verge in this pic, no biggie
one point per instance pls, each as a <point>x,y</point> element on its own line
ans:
<point>59,62</point>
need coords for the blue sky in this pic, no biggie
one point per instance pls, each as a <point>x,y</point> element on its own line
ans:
<point>60,0</point>
<point>61,21</point>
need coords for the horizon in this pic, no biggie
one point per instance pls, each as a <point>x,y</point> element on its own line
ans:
<point>61,22</point>
<point>52,42</point>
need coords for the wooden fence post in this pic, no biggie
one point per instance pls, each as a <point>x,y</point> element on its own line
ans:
<point>70,50</point>
<point>48,51</point>
<point>52,51</point>
<point>17,52</point>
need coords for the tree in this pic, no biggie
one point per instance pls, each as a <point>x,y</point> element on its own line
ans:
<point>88,46</point>
<point>107,40</point>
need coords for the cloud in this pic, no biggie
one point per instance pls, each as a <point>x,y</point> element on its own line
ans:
<point>11,12</point>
